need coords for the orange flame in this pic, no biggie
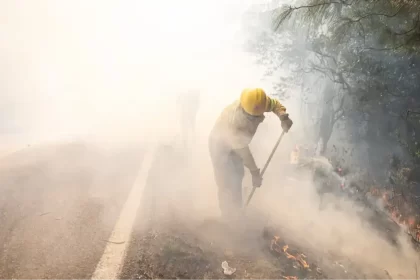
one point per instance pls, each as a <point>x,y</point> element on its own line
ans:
<point>403,219</point>
<point>302,261</point>
<point>411,221</point>
<point>299,258</point>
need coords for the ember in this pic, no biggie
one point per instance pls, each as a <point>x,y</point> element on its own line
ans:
<point>395,209</point>
<point>290,277</point>
<point>299,258</point>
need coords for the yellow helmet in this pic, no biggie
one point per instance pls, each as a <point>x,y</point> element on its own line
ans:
<point>254,101</point>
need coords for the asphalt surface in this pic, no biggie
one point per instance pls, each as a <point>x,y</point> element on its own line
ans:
<point>165,200</point>
<point>58,206</point>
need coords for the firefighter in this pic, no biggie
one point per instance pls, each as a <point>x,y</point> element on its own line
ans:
<point>229,145</point>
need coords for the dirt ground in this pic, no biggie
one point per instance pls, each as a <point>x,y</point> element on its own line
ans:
<point>178,251</point>
<point>175,247</point>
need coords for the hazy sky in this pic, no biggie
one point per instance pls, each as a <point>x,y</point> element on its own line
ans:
<point>71,66</point>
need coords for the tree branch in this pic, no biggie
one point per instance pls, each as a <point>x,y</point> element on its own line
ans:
<point>325,55</point>
<point>320,4</point>
<point>337,117</point>
<point>289,10</point>
<point>339,112</point>
<point>411,29</point>
<point>410,112</point>
<point>323,71</point>
<point>411,38</point>
<point>374,14</point>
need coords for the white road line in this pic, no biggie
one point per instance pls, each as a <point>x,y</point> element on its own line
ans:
<point>113,258</point>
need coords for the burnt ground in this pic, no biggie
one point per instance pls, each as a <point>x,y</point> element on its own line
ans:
<point>59,204</point>
<point>171,246</point>
<point>176,251</point>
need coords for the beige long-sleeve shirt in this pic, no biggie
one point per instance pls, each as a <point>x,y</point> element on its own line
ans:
<point>237,128</point>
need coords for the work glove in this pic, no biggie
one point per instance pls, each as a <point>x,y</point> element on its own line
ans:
<point>256,178</point>
<point>286,123</point>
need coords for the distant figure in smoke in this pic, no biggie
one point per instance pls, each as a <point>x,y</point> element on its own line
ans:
<point>295,155</point>
<point>188,104</point>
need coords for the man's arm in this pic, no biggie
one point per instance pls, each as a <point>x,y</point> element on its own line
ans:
<point>273,105</point>
<point>247,158</point>
<point>249,162</point>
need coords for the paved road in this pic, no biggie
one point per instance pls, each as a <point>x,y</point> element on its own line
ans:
<point>58,206</point>
<point>167,194</point>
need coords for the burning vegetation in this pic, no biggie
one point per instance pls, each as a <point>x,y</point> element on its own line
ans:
<point>397,198</point>
<point>299,259</point>
<point>399,210</point>
<point>296,263</point>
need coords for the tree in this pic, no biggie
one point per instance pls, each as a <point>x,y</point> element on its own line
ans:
<point>370,49</point>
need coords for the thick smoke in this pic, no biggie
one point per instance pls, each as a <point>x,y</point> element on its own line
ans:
<point>110,71</point>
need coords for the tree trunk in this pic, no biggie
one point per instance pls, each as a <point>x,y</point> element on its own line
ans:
<point>325,130</point>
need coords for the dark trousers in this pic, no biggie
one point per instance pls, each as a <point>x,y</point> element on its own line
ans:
<point>228,171</point>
